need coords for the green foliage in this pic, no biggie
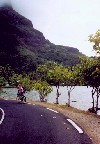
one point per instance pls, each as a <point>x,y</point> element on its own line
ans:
<point>92,76</point>
<point>57,75</point>
<point>95,39</point>
<point>24,80</point>
<point>24,48</point>
<point>43,88</point>
<point>16,78</point>
<point>27,83</point>
<point>6,72</point>
<point>2,82</point>
<point>42,70</point>
<point>79,70</point>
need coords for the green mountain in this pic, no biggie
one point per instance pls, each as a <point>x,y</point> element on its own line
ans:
<point>24,47</point>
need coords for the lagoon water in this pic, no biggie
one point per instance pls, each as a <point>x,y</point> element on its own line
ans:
<point>81,96</point>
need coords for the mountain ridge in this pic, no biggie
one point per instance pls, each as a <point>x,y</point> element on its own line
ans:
<point>24,47</point>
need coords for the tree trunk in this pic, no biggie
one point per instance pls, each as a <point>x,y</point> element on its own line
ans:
<point>97,100</point>
<point>93,107</point>
<point>41,98</point>
<point>68,98</point>
<point>58,94</point>
<point>69,92</point>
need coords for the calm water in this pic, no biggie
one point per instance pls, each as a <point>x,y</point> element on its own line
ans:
<point>80,96</point>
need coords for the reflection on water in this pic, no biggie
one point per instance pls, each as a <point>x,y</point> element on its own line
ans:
<point>81,97</point>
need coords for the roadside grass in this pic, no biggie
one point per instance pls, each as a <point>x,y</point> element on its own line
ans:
<point>63,107</point>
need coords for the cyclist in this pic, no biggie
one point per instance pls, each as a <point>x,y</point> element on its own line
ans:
<point>21,91</point>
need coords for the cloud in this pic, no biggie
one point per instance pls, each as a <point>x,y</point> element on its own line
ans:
<point>63,22</point>
<point>3,2</point>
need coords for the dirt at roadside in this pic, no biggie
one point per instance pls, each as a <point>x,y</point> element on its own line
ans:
<point>89,122</point>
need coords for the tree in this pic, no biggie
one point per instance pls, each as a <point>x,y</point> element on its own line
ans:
<point>95,39</point>
<point>92,78</point>
<point>85,71</point>
<point>78,70</point>
<point>6,72</point>
<point>24,80</point>
<point>57,76</point>
<point>42,70</point>
<point>52,73</point>
<point>91,69</point>
<point>15,79</point>
<point>2,82</point>
<point>43,88</point>
<point>70,82</point>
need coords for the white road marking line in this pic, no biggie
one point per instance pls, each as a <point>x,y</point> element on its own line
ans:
<point>24,102</point>
<point>3,114</point>
<point>54,117</point>
<point>31,103</point>
<point>52,110</point>
<point>77,127</point>
<point>28,103</point>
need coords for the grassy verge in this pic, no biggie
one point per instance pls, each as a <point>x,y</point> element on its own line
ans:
<point>63,107</point>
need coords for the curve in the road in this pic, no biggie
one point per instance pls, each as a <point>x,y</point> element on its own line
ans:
<point>77,127</point>
<point>34,124</point>
<point>69,120</point>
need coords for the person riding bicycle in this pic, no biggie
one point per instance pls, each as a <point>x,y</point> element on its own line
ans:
<point>21,91</point>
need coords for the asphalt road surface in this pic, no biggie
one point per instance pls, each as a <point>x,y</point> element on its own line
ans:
<point>24,123</point>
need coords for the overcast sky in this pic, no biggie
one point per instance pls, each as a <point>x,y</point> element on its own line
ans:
<point>63,22</point>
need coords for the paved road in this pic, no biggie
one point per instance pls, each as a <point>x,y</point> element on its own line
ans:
<point>32,124</point>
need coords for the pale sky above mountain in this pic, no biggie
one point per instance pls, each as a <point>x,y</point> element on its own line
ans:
<point>63,22</point>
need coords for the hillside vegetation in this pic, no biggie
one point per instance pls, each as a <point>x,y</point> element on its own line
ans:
<point>24,47</point>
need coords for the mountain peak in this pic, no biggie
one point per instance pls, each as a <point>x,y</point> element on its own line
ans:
<point>6,5</point>
<point>24,47</point>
